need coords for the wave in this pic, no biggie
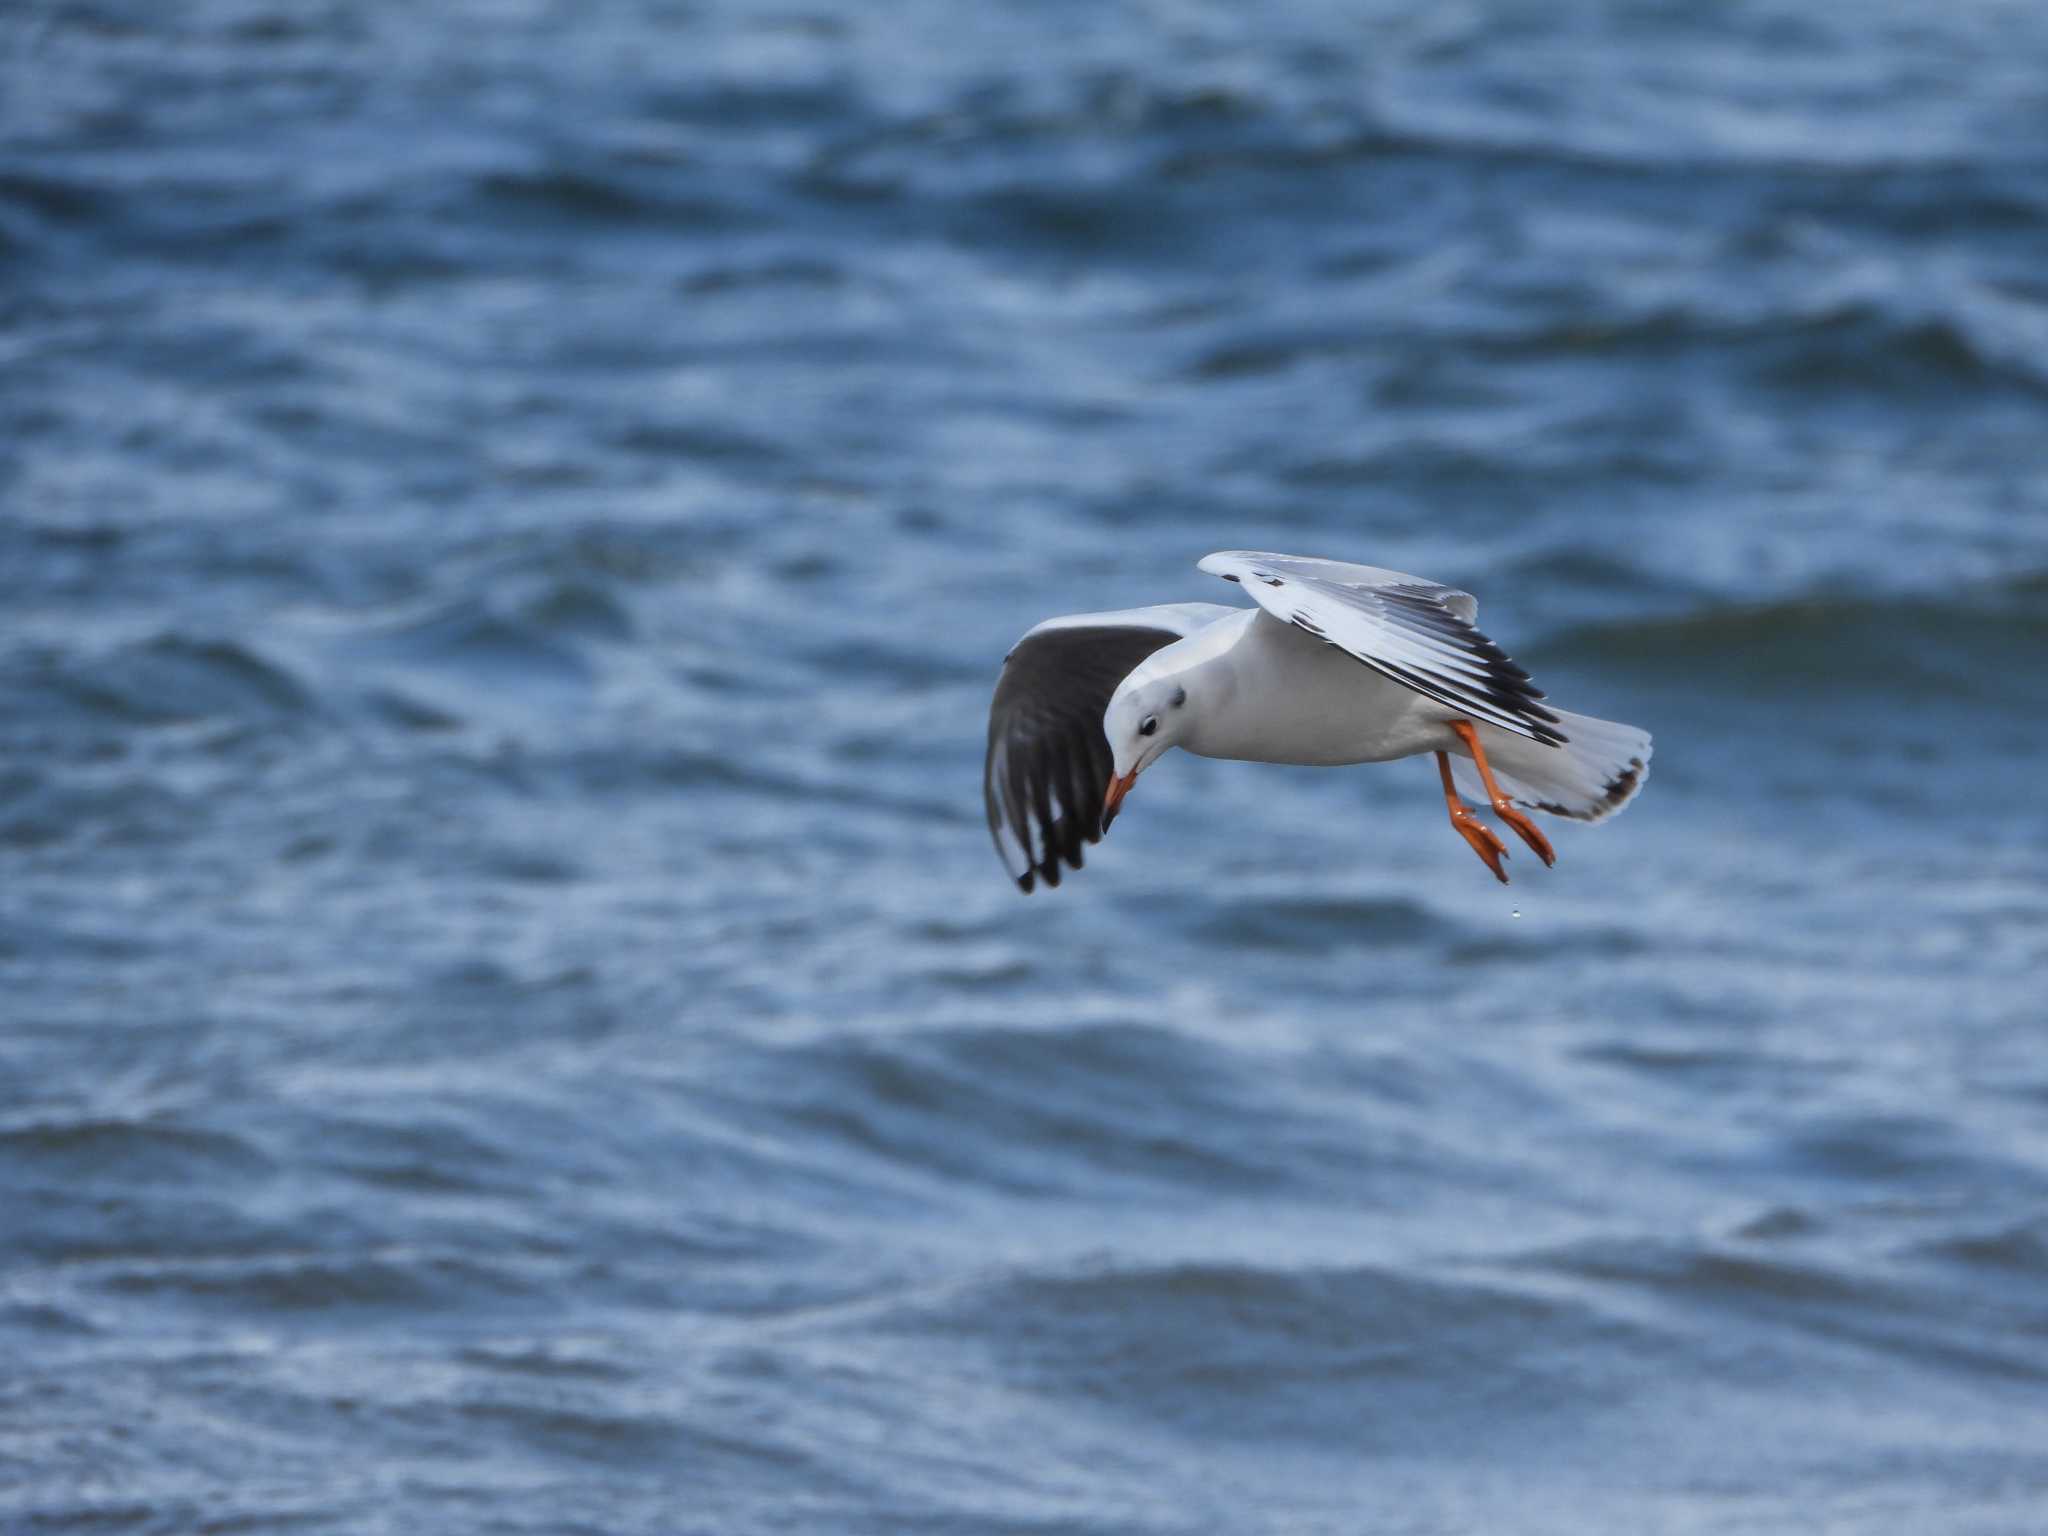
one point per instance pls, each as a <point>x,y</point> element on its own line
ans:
<point>1315,925</point>
<point>1037,1111</point>
<point>593,196</point>
<point>129,1149</point>
<point>469,636</point>
<point>1962,646</point>
<point>1714,1291</point>
<point>1898,347</point>
<point>170,679</point>
<point>31,826</point>
<point>63,199</point>
<point>1371,1358</point>
<point>2018,1250</point>
<point>407,1281</point>
<point>1895,343</point>
<point>1278,142</point>
<point>1705,1273</point>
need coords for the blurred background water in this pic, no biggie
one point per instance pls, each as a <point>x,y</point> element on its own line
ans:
<point>510,513</point>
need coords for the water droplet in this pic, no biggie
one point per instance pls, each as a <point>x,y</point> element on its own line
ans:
<point>1518,912</point>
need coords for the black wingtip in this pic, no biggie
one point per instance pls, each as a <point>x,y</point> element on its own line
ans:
<point>1623,784</point>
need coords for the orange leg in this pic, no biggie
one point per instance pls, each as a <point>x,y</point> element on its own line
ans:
<point>1502,807</point>
<point>1467,824</point>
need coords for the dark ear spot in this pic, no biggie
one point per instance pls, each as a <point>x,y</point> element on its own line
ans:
<point>1180,697</point>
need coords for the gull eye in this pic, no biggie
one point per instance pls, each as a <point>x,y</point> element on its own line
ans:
<point>1148,725</point>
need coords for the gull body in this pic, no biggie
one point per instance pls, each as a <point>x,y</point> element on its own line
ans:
<point>1271,693</point>
<point>1338,664</point>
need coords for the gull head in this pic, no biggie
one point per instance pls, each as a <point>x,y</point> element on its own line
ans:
<point>1146,715</point>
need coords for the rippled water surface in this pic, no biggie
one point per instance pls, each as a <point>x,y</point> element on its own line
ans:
<point>509,1019</point>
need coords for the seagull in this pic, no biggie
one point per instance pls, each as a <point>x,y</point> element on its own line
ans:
<point>1336,664</point>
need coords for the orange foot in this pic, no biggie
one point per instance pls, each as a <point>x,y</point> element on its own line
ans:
<point>1466,823</point>
<point>1502,806</point>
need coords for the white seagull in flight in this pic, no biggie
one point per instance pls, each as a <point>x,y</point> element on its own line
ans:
<point>1337,664</point>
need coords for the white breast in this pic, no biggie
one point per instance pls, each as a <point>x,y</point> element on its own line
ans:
<point>1291,698</point>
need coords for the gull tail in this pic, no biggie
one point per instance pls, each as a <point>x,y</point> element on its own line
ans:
<point>1593,775</point>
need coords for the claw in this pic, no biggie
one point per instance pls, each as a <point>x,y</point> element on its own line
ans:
<point>1485,842</point>
<point>1525,829</point>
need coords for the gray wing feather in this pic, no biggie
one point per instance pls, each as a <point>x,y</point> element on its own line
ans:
<point>1417,632</point>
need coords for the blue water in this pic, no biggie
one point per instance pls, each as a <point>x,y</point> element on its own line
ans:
<point>510,514</point>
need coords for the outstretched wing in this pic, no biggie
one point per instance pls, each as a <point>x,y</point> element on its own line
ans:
<point>1417,632</point>
<point>1048,763</point>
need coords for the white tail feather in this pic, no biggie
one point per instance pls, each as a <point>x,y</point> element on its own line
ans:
<point>1593,775</point>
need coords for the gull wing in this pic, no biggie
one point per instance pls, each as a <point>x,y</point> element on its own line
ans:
<point>1417,632</point>
<point>1048,763</point>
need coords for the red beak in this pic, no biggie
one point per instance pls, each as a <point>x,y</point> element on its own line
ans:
<point>1118,788</point>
